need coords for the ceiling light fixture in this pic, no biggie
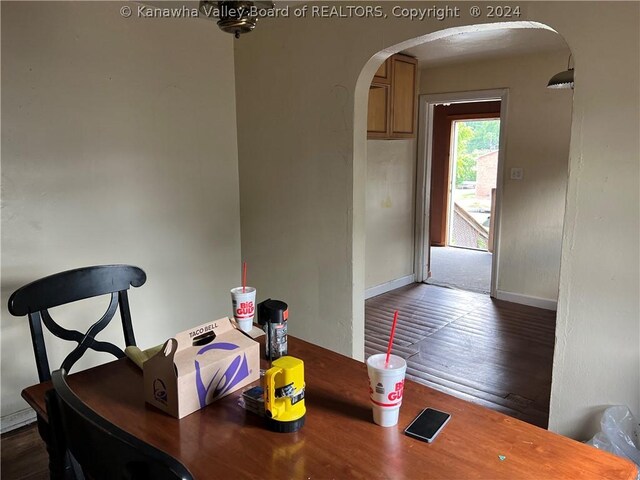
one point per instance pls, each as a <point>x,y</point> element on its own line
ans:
<point>236,17</point>
<point>562,80</point>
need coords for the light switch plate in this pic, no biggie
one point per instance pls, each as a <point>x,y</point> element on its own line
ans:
<point>517,173</point>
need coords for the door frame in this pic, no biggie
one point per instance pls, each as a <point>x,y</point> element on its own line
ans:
<point>427,103</point>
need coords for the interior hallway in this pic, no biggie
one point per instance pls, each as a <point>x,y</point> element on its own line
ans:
<point>494,353</point>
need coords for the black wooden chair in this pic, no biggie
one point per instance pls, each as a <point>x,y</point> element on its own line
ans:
<point>37,297</point>
<point>103,450</point>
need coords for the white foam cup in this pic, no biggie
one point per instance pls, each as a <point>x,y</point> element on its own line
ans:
<point>386,387</point>
<point>244,307</point>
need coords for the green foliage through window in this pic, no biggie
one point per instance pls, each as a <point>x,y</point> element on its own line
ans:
<point>474,138</point>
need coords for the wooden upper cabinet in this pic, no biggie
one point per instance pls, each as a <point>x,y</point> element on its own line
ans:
<point>383,75</point>
<point>392,99</point>
<point>378,114</point>
<point>403,84</point>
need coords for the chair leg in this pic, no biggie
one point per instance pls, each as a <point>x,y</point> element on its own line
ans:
<point>56,463</point>
<point>61,466</point>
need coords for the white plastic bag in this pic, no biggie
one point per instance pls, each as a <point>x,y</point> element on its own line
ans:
<point>619,434</point>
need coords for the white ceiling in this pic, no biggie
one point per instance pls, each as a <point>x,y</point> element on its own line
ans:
<point>484,45</point>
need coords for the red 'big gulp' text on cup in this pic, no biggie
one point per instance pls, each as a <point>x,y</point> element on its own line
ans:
<point>244,307</point>
<point>386,387</point>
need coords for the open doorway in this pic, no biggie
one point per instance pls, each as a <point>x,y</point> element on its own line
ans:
<point>464,170</point>
<point>461,158</point>
<point>474,169</point>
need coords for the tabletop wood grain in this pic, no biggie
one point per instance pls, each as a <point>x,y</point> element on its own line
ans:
<point>339,439</point>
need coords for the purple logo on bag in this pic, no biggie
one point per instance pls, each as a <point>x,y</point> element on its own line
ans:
<point>222,381</point>
<point>159,391</point>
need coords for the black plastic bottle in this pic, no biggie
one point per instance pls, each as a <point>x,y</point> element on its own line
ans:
<point>272,316</point>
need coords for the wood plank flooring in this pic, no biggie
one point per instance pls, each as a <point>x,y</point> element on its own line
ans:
<point>490,352</point>
<point>24,455</point>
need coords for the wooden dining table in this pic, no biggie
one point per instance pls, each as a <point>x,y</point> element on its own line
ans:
<point>339,439</point>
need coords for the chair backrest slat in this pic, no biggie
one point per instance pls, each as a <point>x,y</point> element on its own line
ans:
<point>39,348</point>
<point>127,326</point>
<point>73,285</point>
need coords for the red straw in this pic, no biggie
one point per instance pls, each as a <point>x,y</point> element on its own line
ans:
<point>393,331</point>
<point>244,276</point>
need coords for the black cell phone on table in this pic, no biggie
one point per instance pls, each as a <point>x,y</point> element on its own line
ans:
<point>427,425</point>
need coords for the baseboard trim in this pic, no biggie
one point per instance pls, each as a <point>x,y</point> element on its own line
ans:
<point>387,287</point>
<point>17,420</point>
<point>545,303</point>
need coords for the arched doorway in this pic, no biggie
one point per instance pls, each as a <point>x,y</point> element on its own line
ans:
<point>519,239</point>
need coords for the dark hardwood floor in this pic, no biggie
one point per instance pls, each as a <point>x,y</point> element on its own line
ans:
<point>24,455</point>
<point>490,352</point>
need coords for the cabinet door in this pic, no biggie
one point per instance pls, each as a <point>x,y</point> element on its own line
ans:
<point>383,75</point>
<point>378,114</point>
<point>403,83</point>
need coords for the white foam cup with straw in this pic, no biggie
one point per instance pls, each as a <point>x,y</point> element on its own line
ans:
<point>243,300</point>
<point>386,383</point>
<point>386,387</point>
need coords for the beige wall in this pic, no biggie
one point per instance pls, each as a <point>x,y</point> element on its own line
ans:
<point>390,214</point>
<point>302,152</point>
<point>538,127</point>
<point>118,146</point>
